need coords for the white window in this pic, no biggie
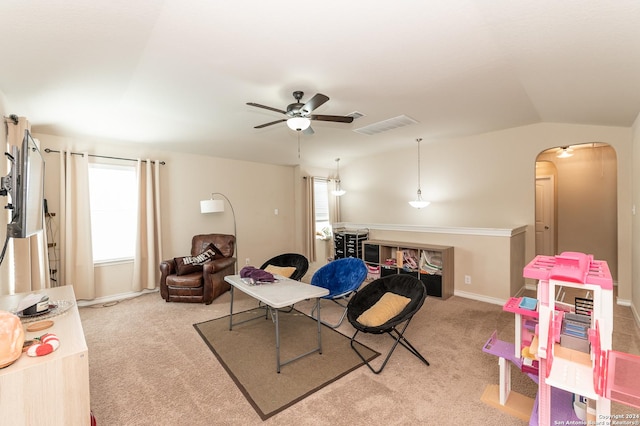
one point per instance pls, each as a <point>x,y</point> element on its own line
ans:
<point>321,204</point>
<point>114,198</point>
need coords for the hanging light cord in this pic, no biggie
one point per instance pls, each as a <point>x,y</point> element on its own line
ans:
<point>419,140</point>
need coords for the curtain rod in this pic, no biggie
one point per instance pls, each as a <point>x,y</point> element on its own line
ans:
<point>47,150</point>
<point>318,178</point>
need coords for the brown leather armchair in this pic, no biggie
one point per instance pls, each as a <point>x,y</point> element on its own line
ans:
<point>201,286</point>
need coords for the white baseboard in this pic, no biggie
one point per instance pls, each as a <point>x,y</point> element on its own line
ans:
<point>479,297</point>
<point>114,298</point>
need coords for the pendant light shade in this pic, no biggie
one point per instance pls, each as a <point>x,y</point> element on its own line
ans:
<point>565,152</point>
<point>338,192</point>
<point>298,123</point>
<point>419,203</point>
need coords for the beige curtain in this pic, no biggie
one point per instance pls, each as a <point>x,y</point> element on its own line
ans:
<point>25,266</point>
<point>334,203</point>
<point>76,252</point>
<point>148,253</point>
<point>310,219</point>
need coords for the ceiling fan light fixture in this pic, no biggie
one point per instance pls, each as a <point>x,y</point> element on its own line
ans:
<point>298,123</point>
<point>300,114</point>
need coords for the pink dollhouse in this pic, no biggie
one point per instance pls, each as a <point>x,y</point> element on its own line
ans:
<point>565,349</point>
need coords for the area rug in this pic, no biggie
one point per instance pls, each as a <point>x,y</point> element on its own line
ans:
<point>248,354</point>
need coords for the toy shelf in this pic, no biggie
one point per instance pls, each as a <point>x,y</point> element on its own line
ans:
<point>432,264</point>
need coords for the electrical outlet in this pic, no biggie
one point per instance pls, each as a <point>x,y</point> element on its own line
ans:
<point>467,279</point>
<point>246,261</point>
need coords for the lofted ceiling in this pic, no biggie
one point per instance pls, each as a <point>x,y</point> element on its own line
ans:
<point>178,74</point>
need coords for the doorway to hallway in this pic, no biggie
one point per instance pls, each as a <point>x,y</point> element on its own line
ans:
<point>576,199</point>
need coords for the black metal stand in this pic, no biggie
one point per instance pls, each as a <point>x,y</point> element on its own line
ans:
<point>398,337</point>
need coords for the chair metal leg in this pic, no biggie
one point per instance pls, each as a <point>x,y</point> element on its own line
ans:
<point>399,338</point>
<point>344,313</point>
<point>404,342</point>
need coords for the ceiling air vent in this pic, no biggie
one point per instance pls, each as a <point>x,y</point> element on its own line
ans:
<point>355,115</point>
<point>385,125</point>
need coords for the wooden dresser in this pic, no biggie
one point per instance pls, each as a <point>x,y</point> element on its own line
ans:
<point>51,389</point>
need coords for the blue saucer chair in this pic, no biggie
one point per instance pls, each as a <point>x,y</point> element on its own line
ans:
<point>342,277</point>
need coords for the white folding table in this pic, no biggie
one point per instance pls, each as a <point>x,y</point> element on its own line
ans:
<point>285,292</point>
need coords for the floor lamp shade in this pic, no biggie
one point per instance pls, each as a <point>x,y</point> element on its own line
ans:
<point>211,206</point>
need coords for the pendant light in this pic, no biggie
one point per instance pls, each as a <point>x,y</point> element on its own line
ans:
<point>565,152</point>
<point>338,192</point>
<point>419,203</point>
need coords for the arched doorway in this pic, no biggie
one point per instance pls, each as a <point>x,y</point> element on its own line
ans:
<point>578,192</point>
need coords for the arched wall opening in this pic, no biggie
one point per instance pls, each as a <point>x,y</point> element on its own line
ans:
<point>578,194</point>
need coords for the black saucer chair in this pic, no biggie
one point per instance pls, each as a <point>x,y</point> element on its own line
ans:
<point>295,260</point>
<point>391,323</point>
<point>285,260</point>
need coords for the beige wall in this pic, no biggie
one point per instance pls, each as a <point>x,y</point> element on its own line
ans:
<point>254,189</point>
<point>483,181</point>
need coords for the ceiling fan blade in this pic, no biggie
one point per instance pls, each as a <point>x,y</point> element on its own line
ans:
<point>266,107</point>
<point>314,103</point>
<point>270,123</point>
<point>308,131</point>
<point>336,118</point>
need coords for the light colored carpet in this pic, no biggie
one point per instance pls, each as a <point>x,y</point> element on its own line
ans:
<point>248,354</point>
<point>149,366</point>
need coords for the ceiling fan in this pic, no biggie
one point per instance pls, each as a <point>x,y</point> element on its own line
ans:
<point>299,115</point>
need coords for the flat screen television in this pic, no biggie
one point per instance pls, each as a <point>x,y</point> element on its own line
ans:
<point>25,186</point>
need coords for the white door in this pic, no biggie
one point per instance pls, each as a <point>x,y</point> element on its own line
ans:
<point>545,223</point>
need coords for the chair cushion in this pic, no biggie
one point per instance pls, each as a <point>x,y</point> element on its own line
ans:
<point>389,305</point>
<point>298,261</point>
<point>190,264</point>
<point>193,280</point>
<point>285,271</point>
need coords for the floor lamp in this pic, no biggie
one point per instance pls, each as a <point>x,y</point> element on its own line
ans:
<point>217,206</point>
